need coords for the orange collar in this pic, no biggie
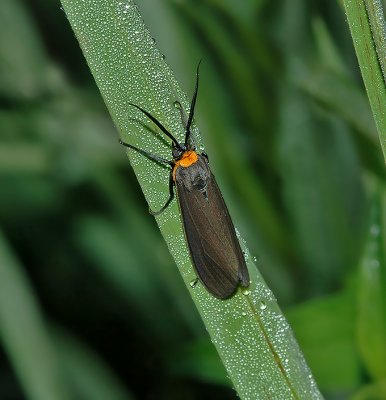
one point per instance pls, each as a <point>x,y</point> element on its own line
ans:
<point>188,158</point>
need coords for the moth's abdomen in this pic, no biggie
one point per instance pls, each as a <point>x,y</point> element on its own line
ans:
<point>210,234</point>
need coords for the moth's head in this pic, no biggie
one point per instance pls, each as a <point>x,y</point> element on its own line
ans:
<point>177,152</point>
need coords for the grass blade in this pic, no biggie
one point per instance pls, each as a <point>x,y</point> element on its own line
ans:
<point>24,335</point>
<point>365,47</point>
<point>371,327</point>
<point>251,335</point>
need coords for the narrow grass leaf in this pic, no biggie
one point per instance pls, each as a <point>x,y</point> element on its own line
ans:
<point>364,43</point>
<point>250,332</point>
<point>325,329</point>
<point>24,335</point>
<point>376,17</point>
<point>371,292</point>
<point>24,67</point>
<point>374,391</point>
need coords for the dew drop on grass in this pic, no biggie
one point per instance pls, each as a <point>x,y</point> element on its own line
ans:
<point>263,305</point>
<point>193,283</point>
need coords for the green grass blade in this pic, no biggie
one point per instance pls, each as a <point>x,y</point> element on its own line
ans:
<point>371,327</point>
<point>24,335</point>
<point>374,391</point>
<point>329,343</point>
<point>251,335</point>
<point>366,45</point>
<point>378,30</point>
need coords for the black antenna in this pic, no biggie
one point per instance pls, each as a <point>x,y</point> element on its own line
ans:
<point>163,129</point>
<point>191,111</point>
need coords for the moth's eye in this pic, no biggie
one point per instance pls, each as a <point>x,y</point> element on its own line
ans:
<point>177,153</point>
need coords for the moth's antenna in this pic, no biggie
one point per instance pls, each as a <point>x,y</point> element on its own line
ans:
<point>163,129</point>
<point>192,106</point>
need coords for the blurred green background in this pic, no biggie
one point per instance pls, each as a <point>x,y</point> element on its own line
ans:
<point>91,304</point>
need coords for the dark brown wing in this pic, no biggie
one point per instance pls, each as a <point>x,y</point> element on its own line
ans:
<point>211,237</point>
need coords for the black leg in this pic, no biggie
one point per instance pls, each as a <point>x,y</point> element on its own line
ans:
<point>146,154</point>
<point>169,200</point>
<point>205,156</point>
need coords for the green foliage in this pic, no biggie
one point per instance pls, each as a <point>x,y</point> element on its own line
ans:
<point>23,333</point>
<point>324,335</point>
<point>292,142</point>
<point>250,338</point>
<point>368,29</point>
<point>371,292</point>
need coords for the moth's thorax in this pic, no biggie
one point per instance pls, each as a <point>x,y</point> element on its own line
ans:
<point>189,158</point>
<point>194,176</point>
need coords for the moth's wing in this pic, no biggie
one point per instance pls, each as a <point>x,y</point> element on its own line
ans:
<point>211,237</point>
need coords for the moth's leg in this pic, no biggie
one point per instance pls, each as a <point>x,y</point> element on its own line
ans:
<point>169,200</point>
<point>146,154</point>
<point>205,156</point>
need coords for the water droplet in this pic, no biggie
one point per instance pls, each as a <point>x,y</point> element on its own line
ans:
<point>246,292</point>
<point>177,105</point>
<point>193,282</point>
<point>243,313</point>
<point>263,305</point>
